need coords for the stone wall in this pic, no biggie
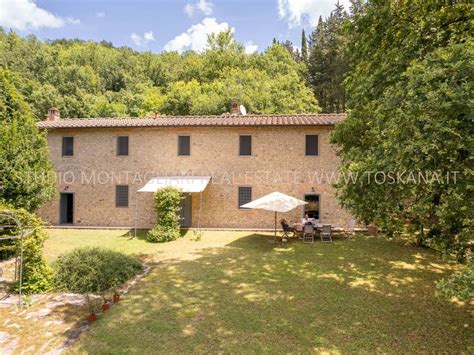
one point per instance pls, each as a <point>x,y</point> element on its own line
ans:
<point>278,163</point>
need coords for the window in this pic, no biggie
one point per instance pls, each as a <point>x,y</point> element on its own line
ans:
<point>121,196</point>
<point>312,208</point>
<point>245,196</point>
<point>68,146</point>
<point>245,145</point>
<point>312,144</point>
<point>184,145</point>
<point>122,145</point>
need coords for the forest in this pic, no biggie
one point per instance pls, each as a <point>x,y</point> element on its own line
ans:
<point>89,79</point>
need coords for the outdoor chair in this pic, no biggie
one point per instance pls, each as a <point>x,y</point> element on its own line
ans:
<point>299,231</point>
<point>308,233</point>
<point>350,230</point>
<point>326,233</point>
<point>286,230</point>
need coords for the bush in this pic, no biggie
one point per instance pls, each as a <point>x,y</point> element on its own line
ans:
<point>167,202</point>
<point>459,285</point>
<point>93,270</point>
<point>37,275</point>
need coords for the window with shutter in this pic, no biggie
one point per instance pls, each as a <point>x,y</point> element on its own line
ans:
<point>68,146</point>
<point>245,145</point>
<point>312,144</point>
<point>122,145</point>
<point>184,145</point>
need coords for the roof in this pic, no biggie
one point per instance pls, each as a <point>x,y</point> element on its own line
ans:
<point>204,121</point>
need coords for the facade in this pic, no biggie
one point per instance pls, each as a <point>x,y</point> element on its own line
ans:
<point>102,163</point>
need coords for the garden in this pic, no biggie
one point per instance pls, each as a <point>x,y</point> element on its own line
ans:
<point>230,290</point>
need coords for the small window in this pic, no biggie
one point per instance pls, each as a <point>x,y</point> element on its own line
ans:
<point>245,145</point>
<point>184,145</point>
<point>122,145</point>
<point>68,146</point>
<point>121,196</point>
<point>312,144</point>
<point>245,196</point>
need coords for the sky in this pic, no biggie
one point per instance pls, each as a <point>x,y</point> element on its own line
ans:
<point>158,25</point>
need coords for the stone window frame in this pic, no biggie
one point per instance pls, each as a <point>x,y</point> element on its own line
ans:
<point>117,205</point>
<point>190,145</point>
<point>251,145</point>
<point>117,138</point>
<point>62,146</point>
<point>318,147</point>
<point>238,197</point>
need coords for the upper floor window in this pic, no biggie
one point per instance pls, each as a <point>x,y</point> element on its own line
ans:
<point>312,144</point>
<point>245,195</point>
<point>121,196</point>
<point>184,145</point>
<point>122,145</point>
<point>245,145</point>
<point>68,146</point>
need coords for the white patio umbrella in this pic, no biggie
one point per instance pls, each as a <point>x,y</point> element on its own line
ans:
<point>276,202</point>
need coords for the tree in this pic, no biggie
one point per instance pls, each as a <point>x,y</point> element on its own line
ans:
<point>27,178</point>
<point>304,47</point>
<point>410,88</point>
<point>327,63</point>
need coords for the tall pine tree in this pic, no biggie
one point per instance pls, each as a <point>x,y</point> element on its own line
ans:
<point>304,47</point>
<point>327,64</point>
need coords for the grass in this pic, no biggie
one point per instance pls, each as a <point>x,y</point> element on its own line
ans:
<point>238,292</point>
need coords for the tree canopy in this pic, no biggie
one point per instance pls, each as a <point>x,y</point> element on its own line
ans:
<point>88,79</point>
<point>410,89</point>
<point>26,175</point>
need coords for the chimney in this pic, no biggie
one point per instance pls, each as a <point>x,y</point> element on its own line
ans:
<point>53,114</point>
<point>234,107</point>
<point>157,114</point>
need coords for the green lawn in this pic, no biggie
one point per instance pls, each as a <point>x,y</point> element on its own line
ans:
<point>238,292</point>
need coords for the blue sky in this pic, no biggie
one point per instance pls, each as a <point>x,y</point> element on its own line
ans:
<point>158,25</point>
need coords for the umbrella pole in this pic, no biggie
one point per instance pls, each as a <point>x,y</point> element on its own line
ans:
<point>275,234</point>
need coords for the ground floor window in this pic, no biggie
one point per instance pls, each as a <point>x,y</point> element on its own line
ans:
<point>245,195</point>
<point>121,196</point>
<point>312,209</point>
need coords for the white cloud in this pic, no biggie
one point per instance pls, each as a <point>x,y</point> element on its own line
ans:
<point>25,14</point>
<point>206,7</point>
<point>195,38</point>
<point>100,14</point>
<point>139,40</point>
<point>148,36</point>
<point>295,12</point>
<point>189,10</point>
<point>250,47</point>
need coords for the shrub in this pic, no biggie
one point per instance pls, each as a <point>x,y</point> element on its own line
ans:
<point>37,275</point>
<point>167,202</point>
<point>459,285</point>
<point>93,270</point>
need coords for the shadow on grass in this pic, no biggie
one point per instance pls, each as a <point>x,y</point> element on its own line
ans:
<point>141,233</point>
<point>369,295</point>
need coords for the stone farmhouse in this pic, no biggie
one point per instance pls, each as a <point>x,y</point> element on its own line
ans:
<point>108,168</point>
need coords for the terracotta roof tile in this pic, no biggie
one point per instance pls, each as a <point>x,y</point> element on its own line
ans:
<point>205,121</point>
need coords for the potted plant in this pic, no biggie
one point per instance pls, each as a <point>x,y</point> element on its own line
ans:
<point>116,297</point>
<point>105,303</point>
<point>91,317</point>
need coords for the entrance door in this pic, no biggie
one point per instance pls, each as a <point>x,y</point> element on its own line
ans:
<point>66,208</point>
<point>312,208</point>
<point>186,211</point>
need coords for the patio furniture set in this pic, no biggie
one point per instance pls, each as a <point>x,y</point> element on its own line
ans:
<point>308,230</point>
